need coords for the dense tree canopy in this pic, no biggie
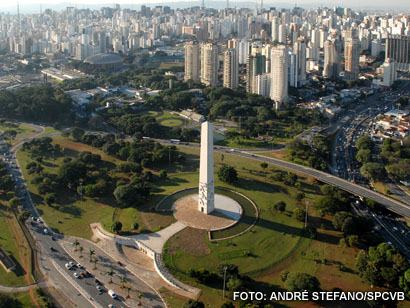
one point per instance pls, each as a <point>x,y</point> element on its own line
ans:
<point>40,103</point>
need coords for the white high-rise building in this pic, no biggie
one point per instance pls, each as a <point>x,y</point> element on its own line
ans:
<point>231,68</point>
<point>192,61</point>
<point>209,64</point>
<point>389,72</point>
<point>279,74</point>
<point>243,49</point>
<point>263,84</point>
<point>282,34</point>
<point>275,29</point>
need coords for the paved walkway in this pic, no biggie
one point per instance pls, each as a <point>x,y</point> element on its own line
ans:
<point>157,240</point>
<point>5,289</point>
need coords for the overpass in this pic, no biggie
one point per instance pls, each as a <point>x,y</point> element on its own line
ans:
<point>355,189</point>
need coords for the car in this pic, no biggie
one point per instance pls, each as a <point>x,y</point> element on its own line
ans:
<point>45,231</point>
<point>67,266</point>
<point>39,221</point>
<point>76,275</point>
<point>71,264</point>
<point>111,306</point>
<point>53,238</point>
<point>79,265</point>
<point>88,274</point>
<point>97,281</point>
<point>53,249</point>
<point>99,289</point>
<point>112,294</point>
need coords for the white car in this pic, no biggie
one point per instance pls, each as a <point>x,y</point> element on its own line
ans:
<point>99,289</point>
<point>76,275</point>
<point>45,231</point>
<point>112,294</point>
<point>67,266</point>
<point>71,263</point>
<point>79,265</point>
<point>111,306</point>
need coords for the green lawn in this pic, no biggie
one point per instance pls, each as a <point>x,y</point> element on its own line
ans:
<point>9,244</point>
<point>21,129</point>
<point>172,122</point>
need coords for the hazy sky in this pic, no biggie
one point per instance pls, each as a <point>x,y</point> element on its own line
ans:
<point>370,4</point>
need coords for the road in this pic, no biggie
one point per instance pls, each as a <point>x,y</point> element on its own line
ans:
<point>82,292</point>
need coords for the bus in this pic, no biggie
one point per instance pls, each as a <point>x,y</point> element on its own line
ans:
<point>175,141</point>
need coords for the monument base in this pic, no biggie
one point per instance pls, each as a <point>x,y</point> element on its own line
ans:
<point>226,212</point>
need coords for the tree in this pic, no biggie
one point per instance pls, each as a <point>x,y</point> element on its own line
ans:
<point>95,261</point>
<point>299,282</point>
<point>299,214</point>
<point>280,206</point>
<point>110,273</point>
<point>81,249</point>
<point>50,198</point>
<point>162,174</point>
<point>14,203</point>
<point>364,142</point>
<point>373,171</point>
<point>77,133</point>
<point>228,174</point>
<point>75,244</point>
<point>122,281</point>
<point>227,305</point>
<point>71,173</point>
<point>91,252</point>
<point>139,297</point>
<point>7,301</point>
<point>364,156</point>
<point>404,282</point>
<point>194,304</point>
<point>126,194</point>
<point>264,165</point>
<point>10,134</point>
<point>23,216</point>
<point>234,284</point>
<point>128,291</point>
<point>116,227</point>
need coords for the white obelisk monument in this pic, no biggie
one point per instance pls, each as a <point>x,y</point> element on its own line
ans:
<point>206,202</point>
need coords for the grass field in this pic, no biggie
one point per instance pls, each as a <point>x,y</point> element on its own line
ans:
<point>15,246</point>
<point>172,122</point>
<point>275,244</point>
<point>170,65</point>
<point>21,129</point>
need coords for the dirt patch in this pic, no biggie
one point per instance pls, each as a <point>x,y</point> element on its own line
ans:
<point>192,241</point>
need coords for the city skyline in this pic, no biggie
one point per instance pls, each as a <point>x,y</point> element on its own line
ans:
<point>33,6</point>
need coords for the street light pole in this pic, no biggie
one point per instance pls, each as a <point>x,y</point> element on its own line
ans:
<point>223,292</point>
<point>306,213</point>
<point>81,191</point>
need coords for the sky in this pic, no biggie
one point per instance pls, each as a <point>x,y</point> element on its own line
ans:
<point>30,5</point>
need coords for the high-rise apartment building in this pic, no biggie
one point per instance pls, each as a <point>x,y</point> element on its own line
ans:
<point>192,61</point>
<point>255,65</point>
<point>352,57</point>
<point>299,48</point>
<point>231,68</point>
<point>331,66</point>
<point>279,73</point>
<point>275,28</point>
<point>398,49</point>
<point>209,64</point>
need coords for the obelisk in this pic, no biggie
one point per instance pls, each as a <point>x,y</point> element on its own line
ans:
<point>206,169</point>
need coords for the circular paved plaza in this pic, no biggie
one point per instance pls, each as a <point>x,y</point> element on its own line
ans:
<point>227,212</point>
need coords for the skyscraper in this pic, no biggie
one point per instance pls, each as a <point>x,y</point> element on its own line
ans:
<point>255,66</point>
<point>279,73</point>
<point>352,57</point>
<point>231,68</point>
<point>275,29</point>
<point>192,63</point>
<point>398,49</point>
<point>209,64</point>
<point>331,66</point>
<point>299,48</point>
